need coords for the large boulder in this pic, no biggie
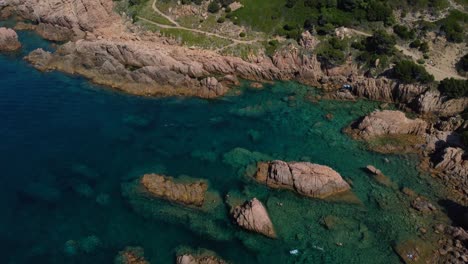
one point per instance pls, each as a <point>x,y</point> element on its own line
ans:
<point>453,162</point>
<point>191,259</point>
<point>433,102</point>
<point>192,193</point>
<point>388,122</point>
<point>253,216</point>
<point>308,179</point>
<point>8,40</point>
<point>131,255</point>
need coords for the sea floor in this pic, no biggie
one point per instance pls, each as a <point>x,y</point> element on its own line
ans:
<point>70,149</point>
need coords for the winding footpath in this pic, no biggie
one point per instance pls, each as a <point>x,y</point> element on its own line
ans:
<point>176,25</point>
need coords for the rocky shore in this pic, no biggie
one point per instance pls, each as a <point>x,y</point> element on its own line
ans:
<point>8,40</point>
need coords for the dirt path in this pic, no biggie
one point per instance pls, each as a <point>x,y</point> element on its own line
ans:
<point>439,73</point>
<point>178,26</point>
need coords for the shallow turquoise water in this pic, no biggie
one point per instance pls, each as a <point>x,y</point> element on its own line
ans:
<point>53,124</point>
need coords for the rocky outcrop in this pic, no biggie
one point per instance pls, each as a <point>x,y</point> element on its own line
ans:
<point>166,188</point>
<point>8,40</point>
<point>308,179</point>
<point>131,255</point>
<point>453,162</point>
<point>386,90</point>
<point>433,102</point>
<point>191,259</point>
<point>253,216</point>
<point>387,122</point>
<point>66,17</point>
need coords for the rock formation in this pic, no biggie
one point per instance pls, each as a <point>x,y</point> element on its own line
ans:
<point>379,176</point>
<point>191,259</point>
<point>8,40</point>
<point>131,255</point>
<point>434,102</point>
<point>453,162</point>
<point>308,179</point>
<point>253,216</point>
<point>387,122</point>
<point>165,188</point>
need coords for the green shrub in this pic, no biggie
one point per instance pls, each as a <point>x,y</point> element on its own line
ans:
<point>221,20</point>
<point>424,47</point>
<point>330,56</point>
<point>242,34</point>
<point>227,10</point>
<point>462,65</point>
<point>409,72</point>
<point>381,43</point>
<point>421,61</point>
<point>403,32</point>
<point>213,7</point>
<point>453,88</point>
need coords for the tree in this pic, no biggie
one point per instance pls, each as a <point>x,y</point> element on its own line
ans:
<point>213,7</point>
<point>381,43</point>
<point>462,65</point>
<point>453,88</point>
<point>409,72</point>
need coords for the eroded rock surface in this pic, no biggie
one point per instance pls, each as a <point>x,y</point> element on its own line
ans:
<point>308,179</point>
<point>253,216</point>
<point>453,162</point>
<point>191,259</point>
<point>166,188</point>
<point>8,40</point>
<point>387,122</point>
<point>131,255</point>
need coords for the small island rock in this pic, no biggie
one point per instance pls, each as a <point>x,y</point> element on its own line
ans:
<point>190,259</point>
<point>8,40</point>
<point>185,193</point>
<point>308,179</point>
<point>131,255</point>
<point>253,216</point>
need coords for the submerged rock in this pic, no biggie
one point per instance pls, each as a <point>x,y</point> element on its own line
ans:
<point>8,40</point>
<point>165,188</point>
<point>191,259</point>
<point>253,216</point>
<point>423,205</point>
<point>379,176</point>
<point>308,179</point>
<point>131,255</point>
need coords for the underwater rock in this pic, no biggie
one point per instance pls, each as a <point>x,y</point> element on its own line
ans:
<point>89,244</point>
<point>240,157</point>
<point>8,40</point>
<point>165,188</point>
<point>191,259</point>
<point>103,199</point>
<point>387,122</point>
<point>312,180</point>
<point>379,176</point>
<point>414,251</point>
<point>85,171</point>
<point>423,205</point>
<point>70,248</point>
<point>131,255</point>
<point>253,216</point>
<point>41,191</point>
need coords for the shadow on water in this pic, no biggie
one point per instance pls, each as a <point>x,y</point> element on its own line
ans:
<point>457,213</point>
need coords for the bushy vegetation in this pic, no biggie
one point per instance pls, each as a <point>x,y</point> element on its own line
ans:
<point>332,53</point>
<point>462,65</point>
<point>404,32</point>
<point>453,88</point>
<point>410,72</point>
<point>453,26</point>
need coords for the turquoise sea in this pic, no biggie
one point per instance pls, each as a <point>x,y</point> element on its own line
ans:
<point>69,151</point>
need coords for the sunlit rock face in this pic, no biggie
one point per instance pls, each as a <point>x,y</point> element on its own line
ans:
<point>8,40</point>
<point>253,216</point>
<point>308,179</point>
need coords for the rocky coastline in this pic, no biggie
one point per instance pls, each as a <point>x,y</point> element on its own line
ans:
<point>108,50</point>
<point>8,40</point>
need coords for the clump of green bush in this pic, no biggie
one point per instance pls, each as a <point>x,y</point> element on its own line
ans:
<point>453,88</point>
<point>409,72</point>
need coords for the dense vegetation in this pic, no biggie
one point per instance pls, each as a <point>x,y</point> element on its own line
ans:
<point>454,88</point>
<point>409,72</point>
<point>462,65</point>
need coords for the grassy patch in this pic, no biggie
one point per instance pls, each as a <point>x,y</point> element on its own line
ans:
<point>146,11</point>
<point>395,143</point>
<point>189,38</point>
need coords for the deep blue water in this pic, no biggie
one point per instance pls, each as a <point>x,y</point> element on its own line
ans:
<point>68,146</point>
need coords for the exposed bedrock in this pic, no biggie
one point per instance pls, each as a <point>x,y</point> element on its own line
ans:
<point>387,122</point>
<point>8,40</point>
<point>308,179</point>
<point>434,102</point>
<point>163,187</point>
<point>253,216</point>
<point>195,259</point>
<point>131,255</point>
